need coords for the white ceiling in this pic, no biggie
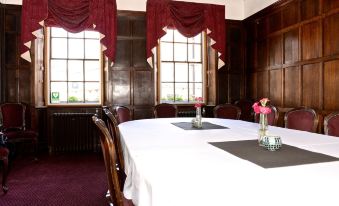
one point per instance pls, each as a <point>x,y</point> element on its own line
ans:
<point>235,9</point>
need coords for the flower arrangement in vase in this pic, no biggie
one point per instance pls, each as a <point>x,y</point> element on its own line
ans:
<point>262,109</point>
<point>197,122</point>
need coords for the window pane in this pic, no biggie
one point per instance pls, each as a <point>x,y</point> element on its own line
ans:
<point>75,70</point>
<point>59,48</point>
<point>76,35</point>
<point>166,50</point>
<point>195,91</point>
<point>76,48</point>
<point>92,92</point>
<point>92,71</point>
<point>181,92</point>
<point>195,73</point>
<point>181,72</point>
<point>168,36</point>
<point>92,34</point>
<point>75,92</point>
<point>92,49</point>
<point>196,39</point>
<point>180,52</point>
<point>167,72</point>
<point>58,70</point>
<point>167,92</point>
<point>194,52</point>
<point>61,88</point>
<point>58,32</point>
<point>179,37</point>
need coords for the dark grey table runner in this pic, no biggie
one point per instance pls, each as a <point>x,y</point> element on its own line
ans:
<point>286,156</point>
<point>205,125</point>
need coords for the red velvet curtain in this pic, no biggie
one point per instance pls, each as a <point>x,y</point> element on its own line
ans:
<point>73,16</point>
<point>188,18</point>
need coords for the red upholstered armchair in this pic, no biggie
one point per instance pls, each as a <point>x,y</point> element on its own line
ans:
<point>13,124</point>
<point>331,124</point>
<point>123,114</point>
<point>304,119</point>
<point>227,111</point>
<point>272,118</point>
<point>165,110</point>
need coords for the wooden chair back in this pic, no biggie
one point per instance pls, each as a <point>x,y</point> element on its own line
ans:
<point>109,154</point>
<point>123,114</point>
<point>165,110</point>
<point>113,128</point>
<point>331,124</point>
<point>302,118</point>
<point>227,111</point>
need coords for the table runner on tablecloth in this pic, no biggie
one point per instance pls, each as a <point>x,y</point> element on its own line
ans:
<point>287,155</point>
<point>205,126</point>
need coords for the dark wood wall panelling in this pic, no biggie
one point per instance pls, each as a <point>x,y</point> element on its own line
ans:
<point>231,77</point>
<point>130,81</point>
<point>15,72</point>
<point>293,55</point>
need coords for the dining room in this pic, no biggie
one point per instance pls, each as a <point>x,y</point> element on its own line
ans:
<point>163,102</point>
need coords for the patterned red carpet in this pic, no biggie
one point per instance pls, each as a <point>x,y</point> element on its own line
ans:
<point>57,180</point>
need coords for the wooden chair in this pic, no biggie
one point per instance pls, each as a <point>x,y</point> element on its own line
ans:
<point>245,106</point>
<point>112,125</point>
<point>272,118</point>
<point>115,195</point>
<point>331,124</point>
<point>165,110</point>
<point>227,111</point>
<point>123,114</point>
<point>304,119</point>
<point>4,153</point>
<point>13,116</point>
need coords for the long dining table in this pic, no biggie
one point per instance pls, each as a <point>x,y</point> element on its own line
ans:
<point>169,165</point>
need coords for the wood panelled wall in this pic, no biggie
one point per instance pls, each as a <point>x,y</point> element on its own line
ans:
<point>130,81</point>
<point>293,54</point>
<point>232,77</point>
<point>15,72</point>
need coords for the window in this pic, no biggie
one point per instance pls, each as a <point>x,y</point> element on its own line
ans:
<point>181,68</point>
<point>74,67</point>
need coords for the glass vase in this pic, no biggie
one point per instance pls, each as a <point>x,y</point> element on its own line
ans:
<point>263,127</point>
<point>198,121</point>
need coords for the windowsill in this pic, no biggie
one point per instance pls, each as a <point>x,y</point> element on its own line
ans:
<point>74,105</point>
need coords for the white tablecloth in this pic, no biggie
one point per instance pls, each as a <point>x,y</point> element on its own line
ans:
<point>169,166</point>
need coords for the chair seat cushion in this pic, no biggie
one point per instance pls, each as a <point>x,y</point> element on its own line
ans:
<point>26,134</point>
<point>3,152</point>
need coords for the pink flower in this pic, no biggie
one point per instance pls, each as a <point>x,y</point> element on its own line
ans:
<point>198,105</point>
<point>198,99</point>
<point>264,101</point>
<point>256,107</point>
<point>264,110</point>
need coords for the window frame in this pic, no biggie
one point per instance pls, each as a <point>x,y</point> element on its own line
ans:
<point>204,62</point>
<point>47,79</point>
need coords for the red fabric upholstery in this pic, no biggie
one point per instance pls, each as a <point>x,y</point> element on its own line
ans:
<point>189,18</point>
<point>227,111</point>
<point>73,16</point>
<point>123,114</point>
<point>332,124</point>
<point>246,109</point>
<point>301,119</point>
<point>165,110</point>
<point>26,134</point>
<point>272,118</point>
<point>4,152</point>
<point>12,115</point>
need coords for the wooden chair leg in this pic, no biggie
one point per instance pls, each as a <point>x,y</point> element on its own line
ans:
<point>4,175</point>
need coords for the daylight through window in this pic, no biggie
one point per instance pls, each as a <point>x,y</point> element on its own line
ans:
<point>181,68</point>
<point>74,73</point>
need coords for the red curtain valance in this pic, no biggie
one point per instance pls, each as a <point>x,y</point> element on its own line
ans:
<point>73,16</point>
<point>189,19</point>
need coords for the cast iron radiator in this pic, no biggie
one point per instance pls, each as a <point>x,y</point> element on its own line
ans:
<point>73,132</point>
